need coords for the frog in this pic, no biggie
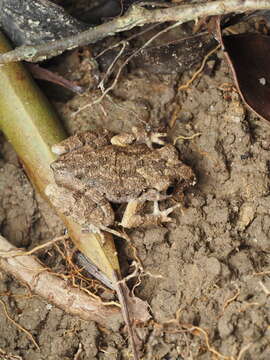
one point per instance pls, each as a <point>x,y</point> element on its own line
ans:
<point>96,170</point>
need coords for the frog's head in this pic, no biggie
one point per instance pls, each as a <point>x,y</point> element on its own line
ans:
<point>63,172</point>
<point>174,169</point>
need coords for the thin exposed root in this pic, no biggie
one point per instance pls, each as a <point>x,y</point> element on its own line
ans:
<point>109,70</point>
<point>231,299</point>
<point>243,350</point>
<point>77,356</point>
<point>19,252</point>
<point>181,137</point>
<point>132,275</point>
<point>262,273</point>
<point>18,325</point>
<point>266,291</point>
<point>115,81</point>
<point>209,347</point>
<point>8,356</point>
<point>197,72</point>
<point>248,305</point>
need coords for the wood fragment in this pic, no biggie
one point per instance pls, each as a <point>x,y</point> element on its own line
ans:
<point>136,16</point>
<point>28,270</point>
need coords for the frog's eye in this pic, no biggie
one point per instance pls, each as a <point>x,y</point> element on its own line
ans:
<point>170,190</point>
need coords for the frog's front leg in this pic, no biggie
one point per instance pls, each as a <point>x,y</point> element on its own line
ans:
<point>148,137</point>
<point>139,135</point>
<point>132,218</point>
<point>94,139</point>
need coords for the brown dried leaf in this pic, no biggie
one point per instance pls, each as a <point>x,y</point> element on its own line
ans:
<point>139,309</point>
<point>133,310</point>
<point>248,57</point>
<point>41,73</point>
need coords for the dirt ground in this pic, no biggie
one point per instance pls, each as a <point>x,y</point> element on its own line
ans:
<point>214,260</point>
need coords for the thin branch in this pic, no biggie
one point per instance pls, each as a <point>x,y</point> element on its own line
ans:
<point>32,273</point>
<point>136,16</point>
<point>112,86</point>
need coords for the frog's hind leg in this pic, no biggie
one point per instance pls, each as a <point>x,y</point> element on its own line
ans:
<point>97,209</point>
<point>132,218</point>
<point>85,208</point>
<point>94,139</point>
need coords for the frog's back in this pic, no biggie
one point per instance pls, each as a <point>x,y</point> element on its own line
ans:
<point>111,170</point>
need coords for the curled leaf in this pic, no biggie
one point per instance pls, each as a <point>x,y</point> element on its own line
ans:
<point>248,57</point>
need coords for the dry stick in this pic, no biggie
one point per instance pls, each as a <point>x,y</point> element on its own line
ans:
<point>112,86</point>
<point>28,270</point>
<point>136,16</point>
<point>127,40</point>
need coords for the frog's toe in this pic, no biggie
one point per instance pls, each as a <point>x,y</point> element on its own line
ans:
<point>156,138</point>
<point>163,215</point>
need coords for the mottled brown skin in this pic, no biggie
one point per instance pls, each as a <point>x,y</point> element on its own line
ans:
<point>91,173</point>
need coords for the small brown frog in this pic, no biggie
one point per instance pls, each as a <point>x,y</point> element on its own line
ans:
<point>96,169</point>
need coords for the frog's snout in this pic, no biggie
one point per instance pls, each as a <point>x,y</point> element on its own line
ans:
<point>54,165</point>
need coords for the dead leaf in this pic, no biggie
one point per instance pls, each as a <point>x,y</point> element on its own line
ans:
<point>139,309</point>
<point>41,73</point>
<point>248,57</point>
<point>133,310</point>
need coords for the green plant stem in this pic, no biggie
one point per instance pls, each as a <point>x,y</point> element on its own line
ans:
<point>32,127</point>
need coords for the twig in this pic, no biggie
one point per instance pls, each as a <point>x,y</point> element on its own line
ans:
<point>44,74</point>
<point>112,86</point>
<point>136,16</point>
<point>30,271</point>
